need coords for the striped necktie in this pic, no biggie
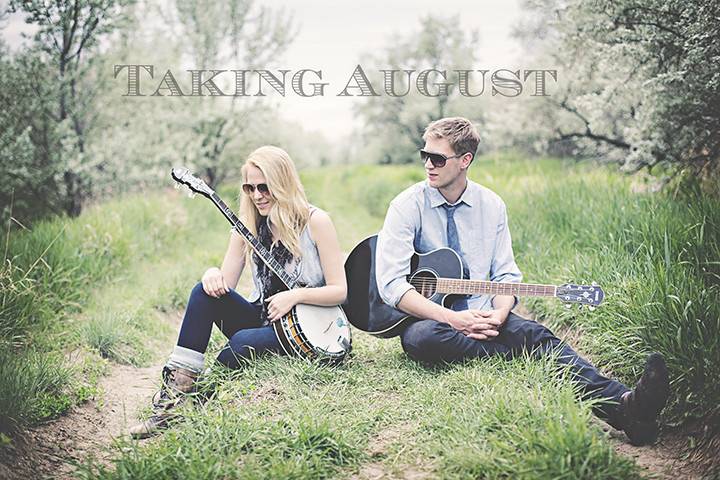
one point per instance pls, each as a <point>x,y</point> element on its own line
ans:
<point>454,243</point>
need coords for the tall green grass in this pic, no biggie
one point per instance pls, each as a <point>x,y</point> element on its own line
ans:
<point>657,257</point>
<point>90,283</point>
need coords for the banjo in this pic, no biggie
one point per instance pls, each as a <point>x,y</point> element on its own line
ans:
<point>309,331</point>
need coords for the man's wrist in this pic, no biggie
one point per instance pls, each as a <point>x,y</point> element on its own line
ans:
<point>447,315</point>
<point>503,302</point>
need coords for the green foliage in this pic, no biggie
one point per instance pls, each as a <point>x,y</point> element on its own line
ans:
<point>32,388</point>
<point>64,45</point>
<point>657,257</point>
<point>639,91</point>
<point>48,283</point>
<point>50,270</point>
<point>115,337</point>
<point>394,124</point>
<point>29,142</point>
<point>69,135</point>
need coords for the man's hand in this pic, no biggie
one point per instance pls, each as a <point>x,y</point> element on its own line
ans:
<point>475,324</point>
<point>281,303</point>
<point>497,315</point>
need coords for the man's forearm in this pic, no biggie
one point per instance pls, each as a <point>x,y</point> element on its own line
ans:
<point>503,302</point>
<point>420,307</point>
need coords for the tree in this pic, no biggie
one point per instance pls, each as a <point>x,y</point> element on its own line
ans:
<point>215,33</point>
<point>393,125</point>
<point>640,90</point>
<point>69,33</point>
<point>29,143</point>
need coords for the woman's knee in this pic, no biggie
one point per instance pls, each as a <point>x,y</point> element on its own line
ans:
<point>198,296</point>
<point>234,358</point>
<point>198,291</point>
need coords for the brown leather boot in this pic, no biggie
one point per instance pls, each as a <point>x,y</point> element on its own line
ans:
<point>176,384</point>
<point>642,406</point>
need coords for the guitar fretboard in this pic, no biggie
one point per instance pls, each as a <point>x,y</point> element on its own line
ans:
<point>255,244</point>
<point>483,287</point>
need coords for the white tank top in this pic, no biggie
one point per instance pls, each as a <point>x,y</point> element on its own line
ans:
<point>309,271</point>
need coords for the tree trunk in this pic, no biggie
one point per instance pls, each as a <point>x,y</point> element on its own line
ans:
<point>73,194</point>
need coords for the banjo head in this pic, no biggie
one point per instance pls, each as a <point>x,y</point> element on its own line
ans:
<point>325,328</point>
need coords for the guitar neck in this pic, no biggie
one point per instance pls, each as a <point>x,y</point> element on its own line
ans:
<point>483,287</point>
<point>255,244</point>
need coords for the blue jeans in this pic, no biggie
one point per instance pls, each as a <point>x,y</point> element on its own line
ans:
<point>434,342</point>
<point>239,321</point>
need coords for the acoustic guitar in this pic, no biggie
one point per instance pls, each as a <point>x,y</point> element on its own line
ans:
<point>438,276</point>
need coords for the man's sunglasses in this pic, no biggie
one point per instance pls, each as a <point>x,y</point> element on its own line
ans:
<point>437,159</point>
<point>249,188</point>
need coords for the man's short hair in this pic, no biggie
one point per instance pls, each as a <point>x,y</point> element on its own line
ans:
<point>459,132</point>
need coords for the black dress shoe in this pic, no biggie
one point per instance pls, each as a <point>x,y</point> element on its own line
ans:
<point>642,406</point>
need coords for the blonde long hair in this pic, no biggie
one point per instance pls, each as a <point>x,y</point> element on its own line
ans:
<point>290,210</point>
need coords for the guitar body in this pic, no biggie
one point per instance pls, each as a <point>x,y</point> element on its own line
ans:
<point>365,309</point>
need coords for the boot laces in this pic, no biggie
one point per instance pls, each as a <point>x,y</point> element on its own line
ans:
<point>164,397</point>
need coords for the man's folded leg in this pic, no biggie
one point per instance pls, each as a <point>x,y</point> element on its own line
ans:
<point>634,411</point>
<point>430,341</point>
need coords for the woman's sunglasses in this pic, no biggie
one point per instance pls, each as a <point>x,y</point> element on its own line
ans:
<point>437,159</point>
<point>249,188</point>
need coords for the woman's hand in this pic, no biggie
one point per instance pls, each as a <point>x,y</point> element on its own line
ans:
<point>281,303</point>
<point>214,283</point>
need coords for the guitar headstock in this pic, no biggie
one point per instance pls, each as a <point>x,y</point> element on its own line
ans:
<point>183,176</point>
<point>588,295</point>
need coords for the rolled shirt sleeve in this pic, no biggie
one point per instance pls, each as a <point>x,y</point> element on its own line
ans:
<point>395,248</point>
<point>503,267</point>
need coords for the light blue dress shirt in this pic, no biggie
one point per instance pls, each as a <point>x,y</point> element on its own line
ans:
<point>416,221</point>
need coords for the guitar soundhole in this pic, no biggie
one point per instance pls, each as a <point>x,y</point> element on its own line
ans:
<point>424,282</point>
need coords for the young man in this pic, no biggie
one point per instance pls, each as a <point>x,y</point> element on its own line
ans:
<point>448,210</point>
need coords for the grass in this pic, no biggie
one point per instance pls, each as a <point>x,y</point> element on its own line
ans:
<point>657,257</point>
<point>93,284</point>
<point>279,418</point>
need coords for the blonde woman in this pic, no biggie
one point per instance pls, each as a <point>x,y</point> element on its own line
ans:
<point>274,208</point>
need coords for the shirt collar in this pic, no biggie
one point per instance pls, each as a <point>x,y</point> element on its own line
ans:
<point>437,199</point>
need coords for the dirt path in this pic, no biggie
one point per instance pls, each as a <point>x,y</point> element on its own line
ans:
<point>49,450</point>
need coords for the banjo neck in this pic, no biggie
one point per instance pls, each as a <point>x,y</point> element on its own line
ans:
<point>255,244</point>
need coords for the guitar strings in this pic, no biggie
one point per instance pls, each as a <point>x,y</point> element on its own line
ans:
<point>431,283</point>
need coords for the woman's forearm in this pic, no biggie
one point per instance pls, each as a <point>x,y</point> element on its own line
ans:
<point>326,296</point>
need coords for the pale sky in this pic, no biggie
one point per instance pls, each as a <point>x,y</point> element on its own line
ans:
<point>335,33</point>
